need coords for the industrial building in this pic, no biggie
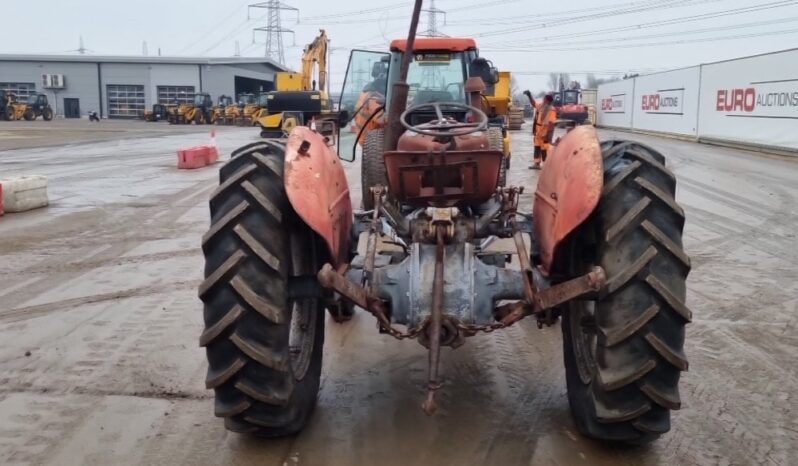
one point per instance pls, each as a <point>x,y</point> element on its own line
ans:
<point>123,86</point>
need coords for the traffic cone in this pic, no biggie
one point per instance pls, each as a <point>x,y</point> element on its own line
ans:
<point>213,151</point>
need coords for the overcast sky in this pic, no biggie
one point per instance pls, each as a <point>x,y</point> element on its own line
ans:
<point>527,37</point>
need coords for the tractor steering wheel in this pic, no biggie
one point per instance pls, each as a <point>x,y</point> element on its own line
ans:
<point>442,127</point>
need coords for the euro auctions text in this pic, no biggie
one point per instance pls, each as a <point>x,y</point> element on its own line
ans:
<point>758,99</point>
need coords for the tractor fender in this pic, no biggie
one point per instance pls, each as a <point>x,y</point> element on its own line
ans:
<point>568,191</point>
<point>316,186</point>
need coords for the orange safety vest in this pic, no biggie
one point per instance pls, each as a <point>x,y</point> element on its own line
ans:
<point>367,104</point>
<point>544,120</point>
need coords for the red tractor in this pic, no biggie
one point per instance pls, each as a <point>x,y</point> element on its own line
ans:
<point>605,255</point>
<point>569,106</point>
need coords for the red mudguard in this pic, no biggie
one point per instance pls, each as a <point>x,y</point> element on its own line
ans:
<point>568,191</point>
<point>317,189</point>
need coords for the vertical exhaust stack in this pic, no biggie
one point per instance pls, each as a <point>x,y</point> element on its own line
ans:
<point>400,90</point>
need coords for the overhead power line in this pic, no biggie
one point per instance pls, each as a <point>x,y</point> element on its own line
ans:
<point>653,24</point>
<point>216,25</point>
<point>240,27</point>
<point>351,13</point>
<point>650,6</point>
<point>648,44</point>
<point>672,34</point>
<point>579,13</point>
<point>354,17</point>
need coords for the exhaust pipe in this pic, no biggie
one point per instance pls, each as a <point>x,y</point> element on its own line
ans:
<point>400,88</point>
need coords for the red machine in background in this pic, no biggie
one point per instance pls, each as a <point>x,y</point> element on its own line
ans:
<point>569,106</point>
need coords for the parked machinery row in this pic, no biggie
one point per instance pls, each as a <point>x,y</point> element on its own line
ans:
<point>202,110</point>
<point>297,99</point>
<point>37,105</point>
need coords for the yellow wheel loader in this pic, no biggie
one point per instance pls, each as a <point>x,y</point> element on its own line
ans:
<point>247,106</point>
<point>197,112</point>
<point>36,106</point>
<point>219,111</point>
<point>159,112</point>
<point>7,101</point>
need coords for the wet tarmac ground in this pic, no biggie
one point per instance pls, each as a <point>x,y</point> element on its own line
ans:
<point>99,324</point>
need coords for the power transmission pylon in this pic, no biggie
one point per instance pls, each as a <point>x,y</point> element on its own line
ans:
<point>81,49</point>
<point>273,29</point>
<point>432,20</point>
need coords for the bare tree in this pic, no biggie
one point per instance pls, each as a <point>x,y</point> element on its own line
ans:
<point>559,80</point>
<point>592,82</point>
<point>554,81</point>
<point>514,86</point>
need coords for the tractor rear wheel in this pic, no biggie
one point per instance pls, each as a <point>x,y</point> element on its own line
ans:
<point>496,142</point>
<point>372,168</point>
<point>624,351</point>
<point>47,114</point>
<point>264,347</point>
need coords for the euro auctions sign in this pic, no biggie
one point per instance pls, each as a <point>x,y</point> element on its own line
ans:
<point>765,99</point>
<point>614,104</point>
<point>666,102</point>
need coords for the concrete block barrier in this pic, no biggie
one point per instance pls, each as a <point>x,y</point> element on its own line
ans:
<point>23,193</point>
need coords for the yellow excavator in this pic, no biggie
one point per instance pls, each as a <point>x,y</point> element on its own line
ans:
<point>298,98</point>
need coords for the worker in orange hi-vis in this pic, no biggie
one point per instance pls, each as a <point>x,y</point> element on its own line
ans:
<point>542,127</point>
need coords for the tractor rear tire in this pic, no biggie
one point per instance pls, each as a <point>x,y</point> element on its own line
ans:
<point>496,142</point>
<point>47,114</point>
<point>624,351</point>
<point>372,168</point>
<point>264,348</point>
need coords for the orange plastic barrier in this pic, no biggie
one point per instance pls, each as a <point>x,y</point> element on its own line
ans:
<point>197,156</point>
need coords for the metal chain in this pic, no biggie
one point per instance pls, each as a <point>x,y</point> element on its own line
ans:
<point>468,329</point>
<point>474,329</point>
<point>510,198</point>
<point>400,335</point>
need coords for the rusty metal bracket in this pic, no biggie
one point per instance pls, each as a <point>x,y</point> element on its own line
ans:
<point>371,245</point>
<point>359,295</point>
<point>510,201</point>
<point>572,289</point>
<point>548,298</point>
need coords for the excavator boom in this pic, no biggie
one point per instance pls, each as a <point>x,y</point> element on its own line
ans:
<point>315,54</point>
